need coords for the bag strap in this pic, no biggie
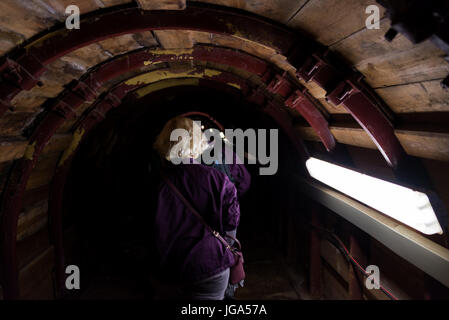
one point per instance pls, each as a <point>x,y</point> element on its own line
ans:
<point>188,205</point>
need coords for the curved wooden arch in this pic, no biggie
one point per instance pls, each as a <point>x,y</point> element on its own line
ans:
<point>23,69</point>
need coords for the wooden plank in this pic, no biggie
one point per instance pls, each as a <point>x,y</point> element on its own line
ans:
<point>119,45</point>
<point>32,220</point>
<point>335,259</point>
<point>57,143</point>
<point>371,43</point>
<point>27,101</point>
<point>43,173</point>
<point>35,279</point>
<point>12,123</point>
<point>351,136</point>
<point>279,10</point>
<point>422,63</point>
<point>333,288</point>
<point>86,57</point>
<point>59,73</point>
<point>24,17</point>
<point>145,39</point>
<point>426,96</point>
<point>162,5</point>
<point>330,21</point>
<point>392,63</point>
<point>428,145</point>
<point>12,148</point>
<point>8,40</point>
<point>58,7</point>
<point>33,196</point>
<point>201,37</point>
<point>174,39</point>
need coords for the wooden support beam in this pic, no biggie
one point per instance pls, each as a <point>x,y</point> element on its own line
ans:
<point>428,145</point>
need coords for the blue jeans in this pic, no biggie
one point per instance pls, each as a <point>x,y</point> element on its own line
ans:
<point>212,288</point>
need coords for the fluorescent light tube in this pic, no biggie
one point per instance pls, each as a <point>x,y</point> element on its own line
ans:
<point>408,206</point>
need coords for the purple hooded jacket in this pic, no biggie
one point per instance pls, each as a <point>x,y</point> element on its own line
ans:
<point>187,251</point>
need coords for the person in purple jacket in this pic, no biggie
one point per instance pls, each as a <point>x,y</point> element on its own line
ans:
<point>187,252</point>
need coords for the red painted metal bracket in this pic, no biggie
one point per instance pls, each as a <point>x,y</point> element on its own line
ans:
<point>348,88</point>
<point>302,102</point>
<point>280,85</point>
<point>365,110</point>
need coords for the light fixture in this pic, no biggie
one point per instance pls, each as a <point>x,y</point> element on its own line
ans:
<point>408,206</point>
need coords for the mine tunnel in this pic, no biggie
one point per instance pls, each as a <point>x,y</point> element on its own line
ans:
<point>349,85</point>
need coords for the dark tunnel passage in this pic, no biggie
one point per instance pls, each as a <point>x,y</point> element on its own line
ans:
<point>110,198</point>
<point>363,146</point>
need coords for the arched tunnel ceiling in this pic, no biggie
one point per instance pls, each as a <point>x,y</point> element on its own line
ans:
<point>394,70</point>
